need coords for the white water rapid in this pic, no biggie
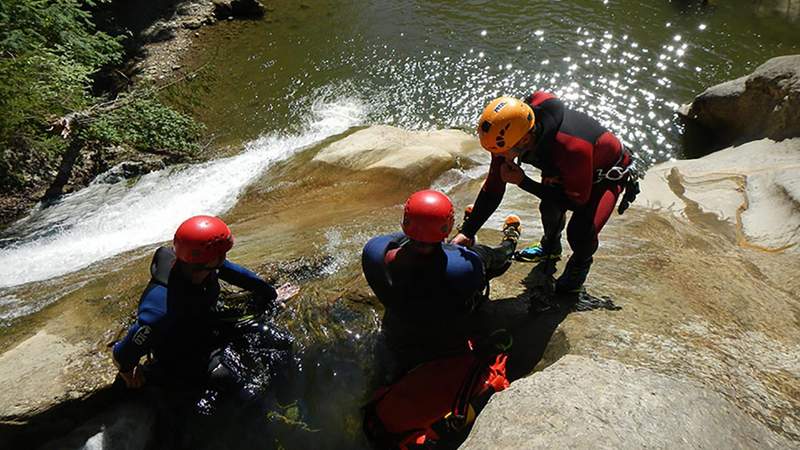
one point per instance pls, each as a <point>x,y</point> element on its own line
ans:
<point>104,220</point>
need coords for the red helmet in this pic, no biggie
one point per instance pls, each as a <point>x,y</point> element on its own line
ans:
<point>202,239</point>
<point>428,216</point>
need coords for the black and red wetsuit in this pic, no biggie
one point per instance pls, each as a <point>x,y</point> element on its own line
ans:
<point>571,146</point>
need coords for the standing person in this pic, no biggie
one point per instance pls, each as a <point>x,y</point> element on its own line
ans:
<point>177,322</point>
<point>584,168</point>
<point>430,288</point>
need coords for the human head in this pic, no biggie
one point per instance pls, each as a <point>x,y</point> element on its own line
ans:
<point>504,122</point>
<point>428,217</point>
<point>201,240</point>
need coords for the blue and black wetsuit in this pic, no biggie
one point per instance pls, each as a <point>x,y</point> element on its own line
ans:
<point>429,299</point>
<point>176,321</point>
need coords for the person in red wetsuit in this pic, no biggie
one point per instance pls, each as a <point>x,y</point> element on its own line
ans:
<point>584,168</point>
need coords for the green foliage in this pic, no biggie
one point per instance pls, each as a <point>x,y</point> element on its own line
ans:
<point>50,51</point>
<point>144,123</point>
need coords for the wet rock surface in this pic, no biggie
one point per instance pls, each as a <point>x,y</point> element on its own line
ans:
<point>580,402</point>
<point>405,153</point>
<point>763,104</point>
<point>678,294</point>
<point>167,39</point>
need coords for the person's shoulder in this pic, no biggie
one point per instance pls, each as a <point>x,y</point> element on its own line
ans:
<point>382,241</point>
<point>153,304</point>
<point>538,98</point>
<point>461,260</point>
<point>375,249</point>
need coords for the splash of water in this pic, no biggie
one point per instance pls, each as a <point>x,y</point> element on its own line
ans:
<point>104,220</point>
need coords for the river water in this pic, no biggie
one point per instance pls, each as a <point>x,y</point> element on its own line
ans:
<point>265,86</point>
<point>311,71</point>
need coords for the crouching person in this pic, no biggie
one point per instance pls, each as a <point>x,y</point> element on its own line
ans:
<point>440,375</point>
<point>177,325</point>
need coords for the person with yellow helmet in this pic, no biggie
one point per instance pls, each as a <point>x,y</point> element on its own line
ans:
<point>585,169</point>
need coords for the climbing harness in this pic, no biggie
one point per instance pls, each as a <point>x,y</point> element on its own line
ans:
<point>616,172</point>
<point>628,176</point>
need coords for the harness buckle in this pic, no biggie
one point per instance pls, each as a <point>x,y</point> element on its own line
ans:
<point>615,173</point>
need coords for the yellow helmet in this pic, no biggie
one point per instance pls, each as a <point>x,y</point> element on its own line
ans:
<point>504,121</point>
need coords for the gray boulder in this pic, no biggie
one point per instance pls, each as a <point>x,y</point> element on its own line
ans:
<point>580,402</point>
<point>763,104</point>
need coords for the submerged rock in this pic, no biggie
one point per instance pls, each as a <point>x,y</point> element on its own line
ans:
<point>406,153</point>
<point>752,191</point>
<point>765,103</point>
<point>126,170</point>
<point>580,402</point>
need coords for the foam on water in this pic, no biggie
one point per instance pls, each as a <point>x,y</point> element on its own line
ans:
<point>104,220</point>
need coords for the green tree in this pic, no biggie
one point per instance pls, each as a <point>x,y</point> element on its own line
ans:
<point>49,52</point>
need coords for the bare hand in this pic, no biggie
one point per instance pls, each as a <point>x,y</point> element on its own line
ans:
<point>133,379</point>
<point>510,172</point>
<point>285,292</point>
<point>462,239</point>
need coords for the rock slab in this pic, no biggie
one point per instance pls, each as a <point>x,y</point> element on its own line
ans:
<point>753,189</point>
<point>32,374</point>
<point>580,402</point>
<point>406,153</point>
<point>763,104</point>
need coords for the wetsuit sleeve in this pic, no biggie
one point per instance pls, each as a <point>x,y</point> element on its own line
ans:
<point>488,200</point>
<point>543,191</point>
<point>476,283</point>
<point>466,274</point>
<point>245,279</point>
<point>373,265</point>
<point>578,177</point>
<point>144,333</point>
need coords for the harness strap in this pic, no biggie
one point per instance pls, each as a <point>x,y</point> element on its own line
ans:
<point>617,173</point>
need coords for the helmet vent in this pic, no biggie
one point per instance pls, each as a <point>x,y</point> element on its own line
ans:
<point>485,126</point>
